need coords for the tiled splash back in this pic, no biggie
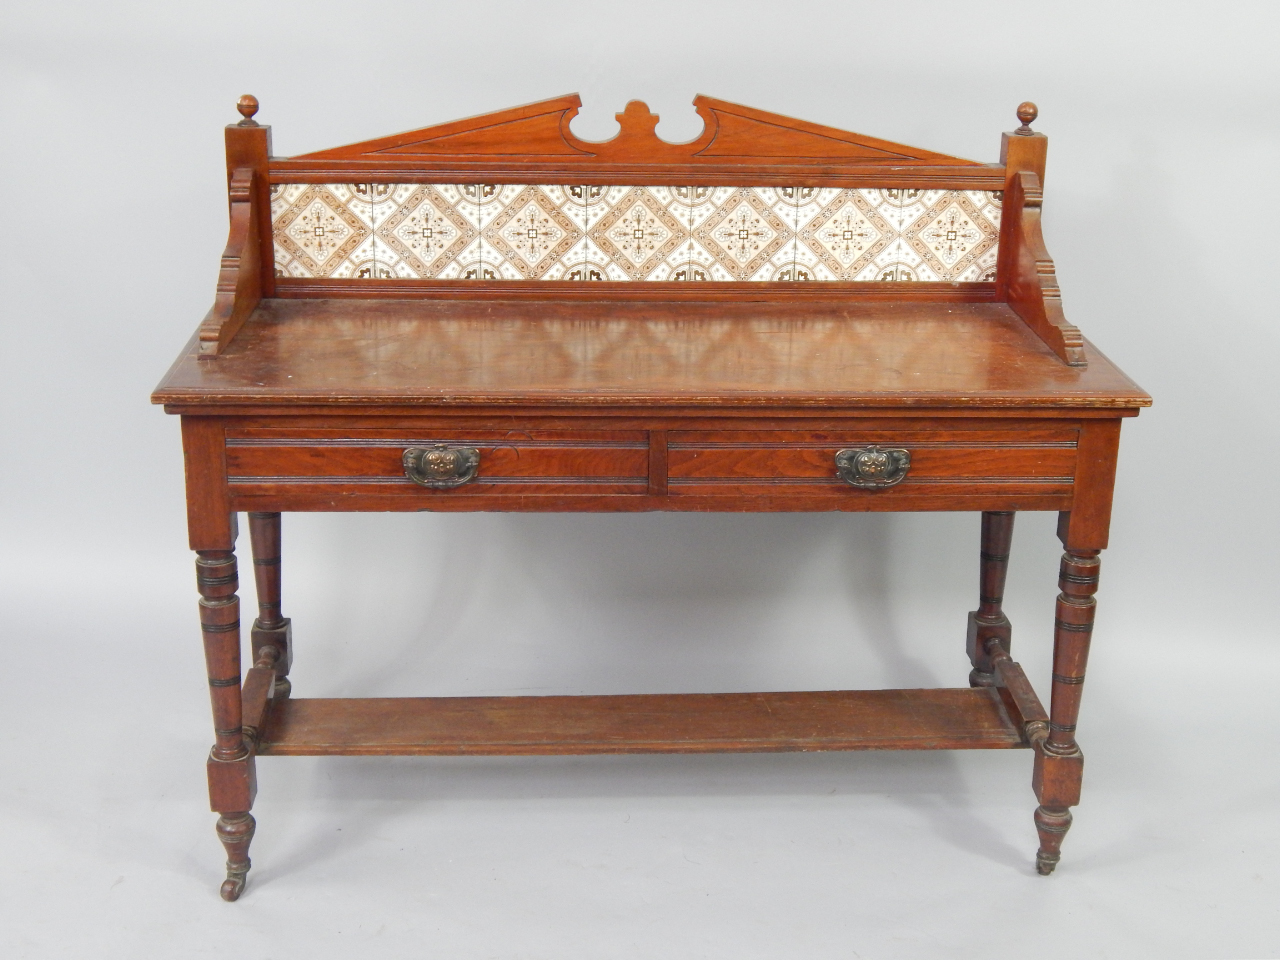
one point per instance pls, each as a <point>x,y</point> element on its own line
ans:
<point>509,232</point>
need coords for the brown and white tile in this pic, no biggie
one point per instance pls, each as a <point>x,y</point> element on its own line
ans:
<point>950,235</point>
<point>744,234</point>
<point>530,233</point>
<point>320,230</point>
<point>842,233</point>
<point>420,233</point>
<point>637,231</point>
<point>584,233</point>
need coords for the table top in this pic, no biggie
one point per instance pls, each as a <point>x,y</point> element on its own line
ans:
<point>455,352</point>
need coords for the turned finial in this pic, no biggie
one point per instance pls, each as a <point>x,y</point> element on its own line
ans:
<point>1027,111</point>
<point>248,106</point>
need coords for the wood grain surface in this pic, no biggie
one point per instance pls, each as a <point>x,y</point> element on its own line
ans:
<point>451,352</point>
<point>967,718</point>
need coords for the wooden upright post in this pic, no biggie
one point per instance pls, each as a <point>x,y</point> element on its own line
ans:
<point>1021,150</point>
<point>988,622</point>
<point>270,627</point>
<point>249,145</point>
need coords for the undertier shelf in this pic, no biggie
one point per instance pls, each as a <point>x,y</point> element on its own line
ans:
<point>933,719</point>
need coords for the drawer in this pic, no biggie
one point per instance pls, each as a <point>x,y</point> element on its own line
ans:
<point>1013,459</point>
<point>534,462</point>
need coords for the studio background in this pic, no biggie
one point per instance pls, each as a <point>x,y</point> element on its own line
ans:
<point>1162,217</point>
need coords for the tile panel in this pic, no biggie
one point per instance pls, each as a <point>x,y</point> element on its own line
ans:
<point>637,233</point>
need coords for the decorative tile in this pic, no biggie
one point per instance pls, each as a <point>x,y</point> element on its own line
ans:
<point>638,232</point>
<point>844,235</point>
<point>751,233</point>
<point>591,233</point>
<point>318,227</point>
<point>422,233</point>
<point>530,232</point>
<point>951,235</point>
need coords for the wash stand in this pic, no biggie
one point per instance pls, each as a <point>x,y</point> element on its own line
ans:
<point>778,316</point>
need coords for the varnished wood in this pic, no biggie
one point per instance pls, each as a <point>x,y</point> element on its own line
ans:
<point>1027,112</point>
<point>258,689</point>
<point>247,106</point>
<point>534,144</point>
<point>575,354</point>
<point>1026,276</point>
<point>210,523</point>
<point>1018,694</point>
<point>988,622</point>
<point>1087,525</point>
<point>271,627</point>
<point>235,830</point>
<point>301,394</point>
<point>239,288</point>
<point>1060,758</point>
<point>652,723</point>
<point>248,147</point>
<point>693,291</point>
<point>232,780</point>
<point>217,581</point>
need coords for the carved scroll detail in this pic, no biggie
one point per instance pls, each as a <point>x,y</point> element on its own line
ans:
<point>1026,274</point>
<point>239,279</point>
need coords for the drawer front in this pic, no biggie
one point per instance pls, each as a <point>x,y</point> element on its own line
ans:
<point>1017,460</point>
<point>538,462</point>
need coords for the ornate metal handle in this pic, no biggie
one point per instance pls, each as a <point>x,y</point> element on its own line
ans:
<point>871,468</point>
<point>441,467</point>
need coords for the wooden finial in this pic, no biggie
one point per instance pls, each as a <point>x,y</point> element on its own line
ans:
<point>248,106</point>
<point>1027,111</point>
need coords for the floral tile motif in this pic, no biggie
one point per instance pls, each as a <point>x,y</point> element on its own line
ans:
<point>638,231</point>
<point>744,232</point>
<point>590,233</point>
<point>529,232</point>
<point>422,231</point>
<point>842,233</point>
<point>320,229</point>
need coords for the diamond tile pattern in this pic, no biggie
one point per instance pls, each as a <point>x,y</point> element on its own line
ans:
<point>586,233</point>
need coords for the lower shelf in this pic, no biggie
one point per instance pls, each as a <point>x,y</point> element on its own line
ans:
<point>945,719</point>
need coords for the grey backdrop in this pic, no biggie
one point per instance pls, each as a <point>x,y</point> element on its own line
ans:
<point>1161,214</point>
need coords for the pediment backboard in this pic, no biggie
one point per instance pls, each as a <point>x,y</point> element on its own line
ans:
<point>537,138</point>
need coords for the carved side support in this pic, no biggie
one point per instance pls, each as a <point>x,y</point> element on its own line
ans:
<point>1059,762</point>
<point>270,628</point>
<point>232,774</point>
<point>988,622</point>
<point>240,276</point>
<point>1025,276</point>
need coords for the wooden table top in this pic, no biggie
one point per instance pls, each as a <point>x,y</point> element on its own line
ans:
<point>455,352</point>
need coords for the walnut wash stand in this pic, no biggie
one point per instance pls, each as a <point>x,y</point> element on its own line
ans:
<point>494,314</point>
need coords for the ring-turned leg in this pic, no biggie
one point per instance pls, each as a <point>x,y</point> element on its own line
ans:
<point>988,621</point>
<point>270,627</point>
<point>235,830</point>
<point>232,779</point>
<point>1059,762</point>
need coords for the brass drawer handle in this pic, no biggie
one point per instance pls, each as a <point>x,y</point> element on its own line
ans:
<point>871,468</point>
<point>441,467</point>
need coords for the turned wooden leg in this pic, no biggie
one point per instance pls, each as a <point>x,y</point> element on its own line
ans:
<point>1059,762</point>
<point>235,830</point>
<point>988,622</point>
<point>232,778</point>
<point>270,628</point>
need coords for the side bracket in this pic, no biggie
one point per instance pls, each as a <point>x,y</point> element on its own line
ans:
<point>240,277</point>
<point>1025,276</point>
